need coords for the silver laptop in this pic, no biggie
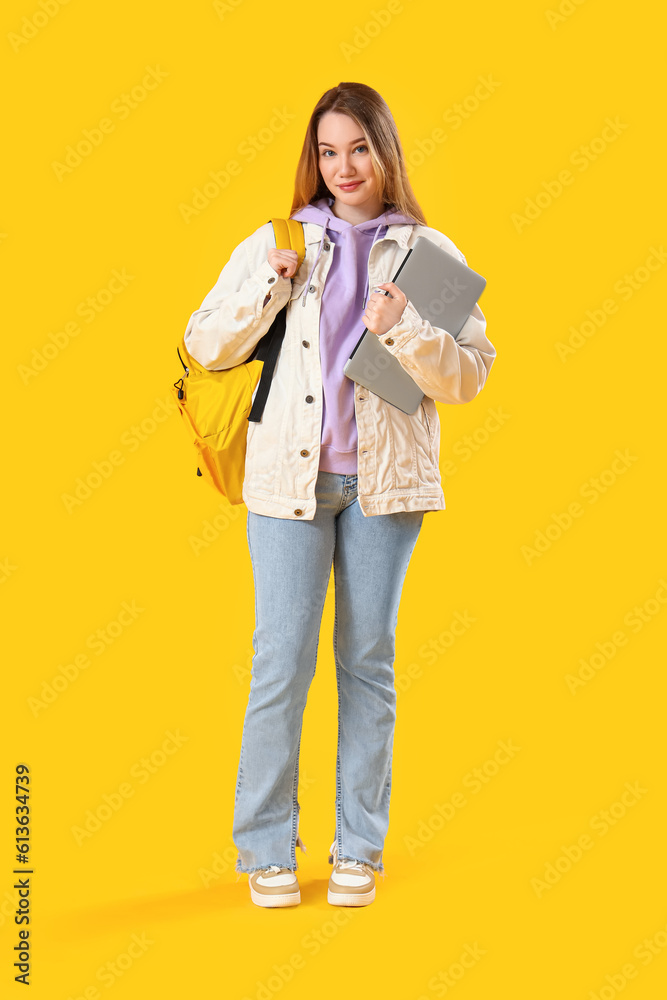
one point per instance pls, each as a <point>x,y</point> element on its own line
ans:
<point>444,291</point>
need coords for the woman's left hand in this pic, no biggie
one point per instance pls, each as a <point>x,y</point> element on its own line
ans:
<point>384,311</point>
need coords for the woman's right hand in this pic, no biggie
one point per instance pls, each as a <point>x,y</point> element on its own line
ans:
<point>283,262</point>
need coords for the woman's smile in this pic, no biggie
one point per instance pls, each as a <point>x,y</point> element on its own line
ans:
<point>345,153</point>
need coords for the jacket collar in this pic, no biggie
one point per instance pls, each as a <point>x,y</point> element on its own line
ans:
<point>398,231</point>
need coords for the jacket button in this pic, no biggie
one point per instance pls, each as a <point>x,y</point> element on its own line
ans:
<point>304,453</point>
<point>389,341</point>
<point>298,512</point>
<point>326,246</point>
<point>305,343</point>
<point>309,399</point>
<point>271,280</point>
<point>311,288</point>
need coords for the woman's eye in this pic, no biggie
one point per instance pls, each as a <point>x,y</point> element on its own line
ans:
<point>360,146</point>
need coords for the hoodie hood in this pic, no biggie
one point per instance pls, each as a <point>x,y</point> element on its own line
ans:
<point>321,213</point>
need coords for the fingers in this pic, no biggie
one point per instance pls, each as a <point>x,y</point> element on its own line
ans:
<point>394,291</point>
<point>283,261</point>
<point>287,254</point>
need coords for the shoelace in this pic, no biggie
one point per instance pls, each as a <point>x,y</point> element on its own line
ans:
<point>346,862</point>
<point>349,863</point>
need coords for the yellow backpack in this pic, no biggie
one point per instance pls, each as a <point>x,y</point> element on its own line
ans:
<point>217,405</point>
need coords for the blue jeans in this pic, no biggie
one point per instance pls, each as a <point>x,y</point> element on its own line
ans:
<point>291,563</point>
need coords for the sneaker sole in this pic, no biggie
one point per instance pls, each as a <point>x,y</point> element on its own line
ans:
<point>275,899</point>
<point>351,898</point>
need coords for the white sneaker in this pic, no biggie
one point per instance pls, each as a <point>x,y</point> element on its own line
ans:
<point>351,883</point>
<point>274,886</point>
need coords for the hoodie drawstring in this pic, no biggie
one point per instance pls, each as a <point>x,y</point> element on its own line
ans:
<point>369,254</point>
<point>319,251</point>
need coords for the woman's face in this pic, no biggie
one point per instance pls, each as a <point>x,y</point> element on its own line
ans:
<point>344,159</point>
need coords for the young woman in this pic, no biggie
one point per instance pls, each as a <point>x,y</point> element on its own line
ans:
<point>334,476</point>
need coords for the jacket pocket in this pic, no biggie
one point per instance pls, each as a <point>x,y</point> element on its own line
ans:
<point>425,434</point>
<point>425,419</point>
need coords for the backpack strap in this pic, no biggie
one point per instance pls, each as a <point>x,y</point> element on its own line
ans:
<point>289,236</point>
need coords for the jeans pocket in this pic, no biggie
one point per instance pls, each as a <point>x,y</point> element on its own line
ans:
<point>350,494</point>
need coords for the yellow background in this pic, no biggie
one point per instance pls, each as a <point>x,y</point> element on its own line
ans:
<point>477,880</point>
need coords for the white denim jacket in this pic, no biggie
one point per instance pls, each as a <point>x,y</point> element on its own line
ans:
<point>398,453</point>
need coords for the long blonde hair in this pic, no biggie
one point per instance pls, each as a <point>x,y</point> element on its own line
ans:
<point>370,112</point>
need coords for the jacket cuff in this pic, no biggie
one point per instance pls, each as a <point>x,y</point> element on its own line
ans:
<point>402,332</point>
<point>271,281</point>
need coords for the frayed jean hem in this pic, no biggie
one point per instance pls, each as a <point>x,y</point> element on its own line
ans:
<point>238,867</point>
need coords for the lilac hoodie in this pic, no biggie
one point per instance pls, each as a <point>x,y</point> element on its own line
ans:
<point>343,304</point>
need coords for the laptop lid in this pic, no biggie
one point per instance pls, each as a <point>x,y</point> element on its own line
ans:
<point>444,291</point>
